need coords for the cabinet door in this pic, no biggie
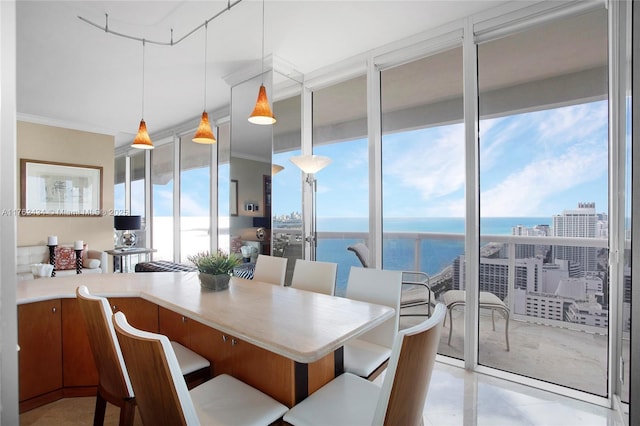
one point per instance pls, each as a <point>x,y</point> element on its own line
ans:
<point>174,326</point>
<point>271,373</point>
<point>213,345</point>
<point>40,356</point>
<point>140,313</point>
<point>78,365</point>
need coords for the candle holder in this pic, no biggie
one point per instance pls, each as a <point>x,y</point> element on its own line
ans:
<point>52,258</point>
<point>78,261</point>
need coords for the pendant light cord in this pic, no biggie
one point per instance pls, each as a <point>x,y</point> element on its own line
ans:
<point>204,103</point>
<point>143,43</point>
<point>262,58</point>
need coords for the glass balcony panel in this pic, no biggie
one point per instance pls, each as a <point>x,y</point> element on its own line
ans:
<point>339,132</point>
<point>162,201</point>
<point>544,177</point>
<point>423,174</point>
<point>195,197</point>
<point>138,194</point>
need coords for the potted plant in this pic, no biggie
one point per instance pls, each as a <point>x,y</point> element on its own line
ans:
<point>214,270</point>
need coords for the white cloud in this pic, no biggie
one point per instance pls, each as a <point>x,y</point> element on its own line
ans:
<point>523,192</point>
<point>430,168</point>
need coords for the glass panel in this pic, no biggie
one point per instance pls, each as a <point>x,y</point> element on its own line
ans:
<point>195,197</point>
<point>626,296</point>
<point>138,194</point>
<point>223,146</point>
<point>286,188</point>
<point>340,133</point>
<point>544,173</point>
<point>162,201</point>
<point>423,175</point>
<point>119,200</point>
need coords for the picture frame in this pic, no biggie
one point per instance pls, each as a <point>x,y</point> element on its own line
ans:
<point>233,197</point>
<point>59,189</point>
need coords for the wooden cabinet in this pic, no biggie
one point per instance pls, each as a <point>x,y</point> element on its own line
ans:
<point>78,366</point>
<point>174,326</point>
<point>55,358</point>
<point>40,356</point>
<point>140,313</point>
<point>213,345</point>
<point>79,372</point>
<point>265,370</point>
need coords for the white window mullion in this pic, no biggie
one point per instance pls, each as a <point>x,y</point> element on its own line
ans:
<point>177,141</point>
<point>374,130</point>
<point>472,191</point>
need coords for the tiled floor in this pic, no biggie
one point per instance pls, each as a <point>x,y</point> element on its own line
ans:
<point>456,397</point>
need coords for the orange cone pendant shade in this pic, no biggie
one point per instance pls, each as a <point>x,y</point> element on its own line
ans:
<point>204,134</point>
<point>142,140</point>
<point>262,112</point>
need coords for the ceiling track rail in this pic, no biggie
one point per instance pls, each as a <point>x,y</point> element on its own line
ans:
<point>107,30</point>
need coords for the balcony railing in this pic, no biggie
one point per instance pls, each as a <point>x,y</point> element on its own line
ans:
<point>507,254</point>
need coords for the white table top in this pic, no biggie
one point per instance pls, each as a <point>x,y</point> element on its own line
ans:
<point>297,324</point>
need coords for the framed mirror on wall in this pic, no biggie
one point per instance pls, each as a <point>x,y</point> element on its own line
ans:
<point>249,172</point>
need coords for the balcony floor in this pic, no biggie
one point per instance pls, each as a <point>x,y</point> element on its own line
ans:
<point>570,358</point>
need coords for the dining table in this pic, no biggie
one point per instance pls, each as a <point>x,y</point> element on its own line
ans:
<point>284,341</point>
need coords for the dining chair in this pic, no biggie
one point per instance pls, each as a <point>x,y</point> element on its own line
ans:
<point>270,269</point>
<point>163,397</point>
<point>416,286</point>
<point>352,400</point>
<point>114,385</point>
<point>366,355</point>
<point>311,275</point>
<point>113,380</point>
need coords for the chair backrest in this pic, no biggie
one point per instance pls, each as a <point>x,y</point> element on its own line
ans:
<point>406,382</point>
<point>161,392</point>
<point>112,370</point>
<point>319,277</point>
<point>270,269</point>
<point>362,252</point>
<point>382,287</point>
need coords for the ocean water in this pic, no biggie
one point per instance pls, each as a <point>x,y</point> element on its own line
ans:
<point>398,254</point>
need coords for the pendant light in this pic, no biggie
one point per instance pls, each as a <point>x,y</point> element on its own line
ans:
<point>204,134</point>
<point>262,111</point>
<point>142,140</point>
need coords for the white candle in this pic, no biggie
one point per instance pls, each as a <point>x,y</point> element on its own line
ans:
<point>52,240</point>
<point>77,245</point>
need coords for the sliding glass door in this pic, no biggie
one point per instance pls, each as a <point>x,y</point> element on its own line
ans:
<point>340,133</point>
<point>544,201</point>
<point>423,176</point>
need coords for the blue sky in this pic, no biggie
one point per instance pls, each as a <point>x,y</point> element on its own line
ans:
<point>532,165</point>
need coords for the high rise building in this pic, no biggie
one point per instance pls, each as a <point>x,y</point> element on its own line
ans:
<point>577,223</point>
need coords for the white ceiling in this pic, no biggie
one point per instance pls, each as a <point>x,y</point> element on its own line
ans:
<point>74,75</point>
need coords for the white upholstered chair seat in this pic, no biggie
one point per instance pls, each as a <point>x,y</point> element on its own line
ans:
<point>352,400</point>
<point>363,358</point>
<point>347,400</point>
<point>225,400</point>
<point>162,394</point>
<point>189,360</point>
